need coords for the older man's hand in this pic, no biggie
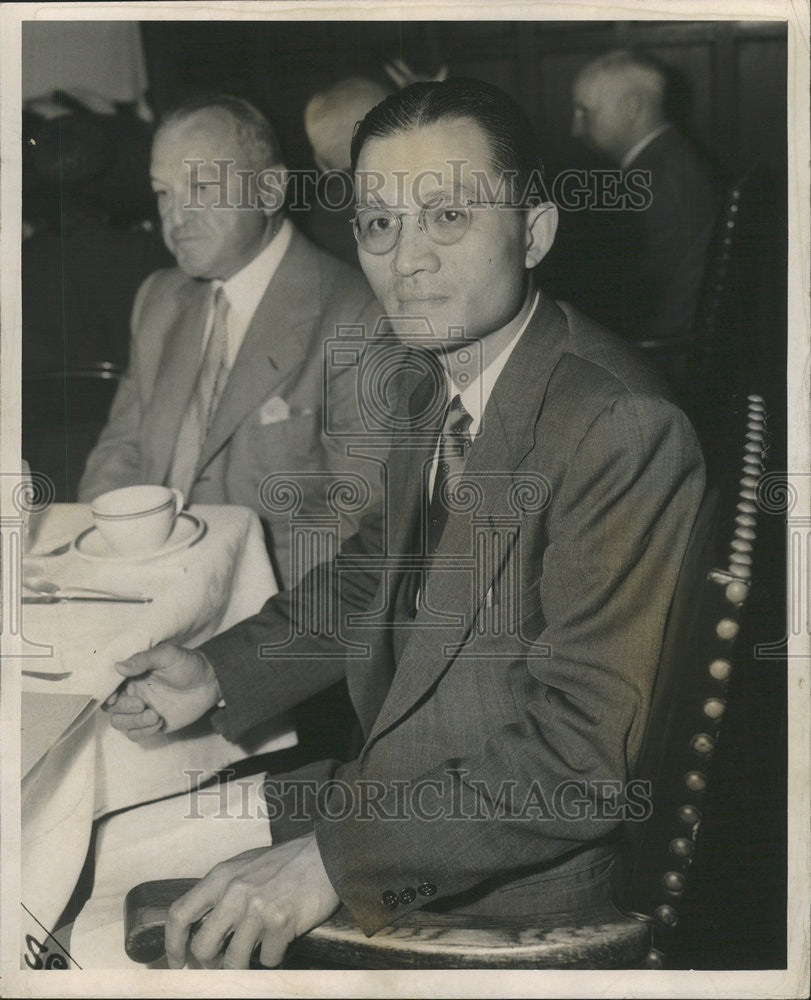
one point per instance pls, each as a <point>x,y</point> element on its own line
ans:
<point>169,688</point>
<point>266,896</point>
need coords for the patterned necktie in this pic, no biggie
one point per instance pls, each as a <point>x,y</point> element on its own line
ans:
<point>199,413</point>
<point>454,441</point>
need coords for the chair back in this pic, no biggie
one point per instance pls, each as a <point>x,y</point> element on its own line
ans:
<point>689,701</point>
<point>63,413</point>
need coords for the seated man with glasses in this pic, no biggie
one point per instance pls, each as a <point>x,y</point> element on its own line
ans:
<point>501,628</point>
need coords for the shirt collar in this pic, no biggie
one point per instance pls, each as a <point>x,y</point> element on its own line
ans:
<point>244,291</point>
<point>245,288</point>
<point>637,148</point>
<point>476,394</point>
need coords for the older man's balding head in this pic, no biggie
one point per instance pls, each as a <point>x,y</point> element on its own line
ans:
<point>618,99</point>
<point>330,117</point>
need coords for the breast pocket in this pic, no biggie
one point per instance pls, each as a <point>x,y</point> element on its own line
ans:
<point>294,442</point>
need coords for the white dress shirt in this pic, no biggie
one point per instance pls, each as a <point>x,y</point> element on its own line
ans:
<point>475,395</point>
<point>244,291</point>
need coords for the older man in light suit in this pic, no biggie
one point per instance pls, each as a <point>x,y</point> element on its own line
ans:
<point>227,379</point>
<point>500,645</point>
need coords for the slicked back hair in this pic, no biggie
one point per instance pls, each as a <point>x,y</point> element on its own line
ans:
<point>514,144</point>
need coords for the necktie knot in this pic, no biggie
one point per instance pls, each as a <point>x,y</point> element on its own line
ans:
<point>456,424</point>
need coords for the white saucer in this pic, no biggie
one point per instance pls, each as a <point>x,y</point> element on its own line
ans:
<point>188,529</point>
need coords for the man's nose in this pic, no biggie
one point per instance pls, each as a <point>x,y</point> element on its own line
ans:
<point>577,125</point>
<point>171,209</point>
<point>414,250</point>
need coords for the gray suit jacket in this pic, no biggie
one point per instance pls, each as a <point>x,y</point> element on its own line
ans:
<point>271,415</point>
<point>502,719</point>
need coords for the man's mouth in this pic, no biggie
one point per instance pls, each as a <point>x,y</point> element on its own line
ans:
<point>407,299</point>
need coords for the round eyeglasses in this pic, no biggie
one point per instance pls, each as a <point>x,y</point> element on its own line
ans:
<point>377,230</point>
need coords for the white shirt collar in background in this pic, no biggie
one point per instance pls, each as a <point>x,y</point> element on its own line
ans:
<point>244,290</point>
<point>637,148</point>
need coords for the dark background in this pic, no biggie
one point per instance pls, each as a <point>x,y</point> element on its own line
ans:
<point>728,91</point>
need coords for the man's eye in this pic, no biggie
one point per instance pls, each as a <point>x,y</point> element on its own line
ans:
<point>378,223</point>
<point>449,216</point>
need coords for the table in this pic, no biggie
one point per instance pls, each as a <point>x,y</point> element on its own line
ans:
<point>75,767</point>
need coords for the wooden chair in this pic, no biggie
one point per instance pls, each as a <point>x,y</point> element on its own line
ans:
<point>720,338</point>
<point>635,930</point>
<point>63,412</point>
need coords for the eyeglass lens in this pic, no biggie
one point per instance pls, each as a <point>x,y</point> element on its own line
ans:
<point>377,230</point>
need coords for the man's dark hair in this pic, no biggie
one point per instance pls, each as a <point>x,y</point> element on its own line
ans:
<point>254,131</point>
<point>512,138</point>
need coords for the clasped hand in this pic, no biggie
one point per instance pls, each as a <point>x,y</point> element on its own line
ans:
<point>169,687</point>
<point>266,896</point>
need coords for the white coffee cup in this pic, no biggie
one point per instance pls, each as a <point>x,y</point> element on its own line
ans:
<point>137,520</point>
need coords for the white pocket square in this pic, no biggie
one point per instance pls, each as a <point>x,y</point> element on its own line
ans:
<point>273,410</point>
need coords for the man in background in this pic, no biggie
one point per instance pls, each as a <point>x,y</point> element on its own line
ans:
<point>226,370</point>
<point>650,276</point>
<point>329,120</point>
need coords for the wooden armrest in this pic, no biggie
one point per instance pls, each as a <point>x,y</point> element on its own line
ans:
<point>145,910</point>
<point>602,938</point>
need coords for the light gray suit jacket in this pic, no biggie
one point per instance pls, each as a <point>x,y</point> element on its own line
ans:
<point>500,718</point>
<point>271,418</point>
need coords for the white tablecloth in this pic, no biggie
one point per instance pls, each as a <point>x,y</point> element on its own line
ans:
<point>76,767</point>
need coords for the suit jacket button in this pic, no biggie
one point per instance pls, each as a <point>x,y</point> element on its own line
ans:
<point>426,889</point>
<point>389,899</point>
<point>407,895</point>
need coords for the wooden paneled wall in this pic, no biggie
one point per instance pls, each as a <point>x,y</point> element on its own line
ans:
<point>729,76</point>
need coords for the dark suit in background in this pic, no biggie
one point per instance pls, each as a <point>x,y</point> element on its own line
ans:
<point>666,244</point>
<point>639,271</point>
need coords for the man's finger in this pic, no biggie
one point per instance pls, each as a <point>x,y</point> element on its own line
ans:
<point>209,941</point>
<point>135,720</point>
<point>184,912</point>
<point>159,657</point>
<point>129,705</point>
<point>238,953</point>
<point>274,945</point>
<point>134,666</point>
<point>139,735</point>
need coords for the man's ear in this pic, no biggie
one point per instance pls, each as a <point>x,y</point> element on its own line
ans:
<point>633,106</point>
<point>271,188</point>
<point>542,224</point>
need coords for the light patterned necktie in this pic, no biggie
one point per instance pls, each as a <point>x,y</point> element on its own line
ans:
<point>211,379</point>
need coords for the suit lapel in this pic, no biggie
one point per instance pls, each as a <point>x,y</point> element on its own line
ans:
<point>276,343</point>
<point>175,380</point>
<point>408,453</point>
<point>506,436</point>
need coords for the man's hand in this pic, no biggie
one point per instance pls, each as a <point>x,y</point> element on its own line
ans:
<point>171,687</point>
<point>269,895</point>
